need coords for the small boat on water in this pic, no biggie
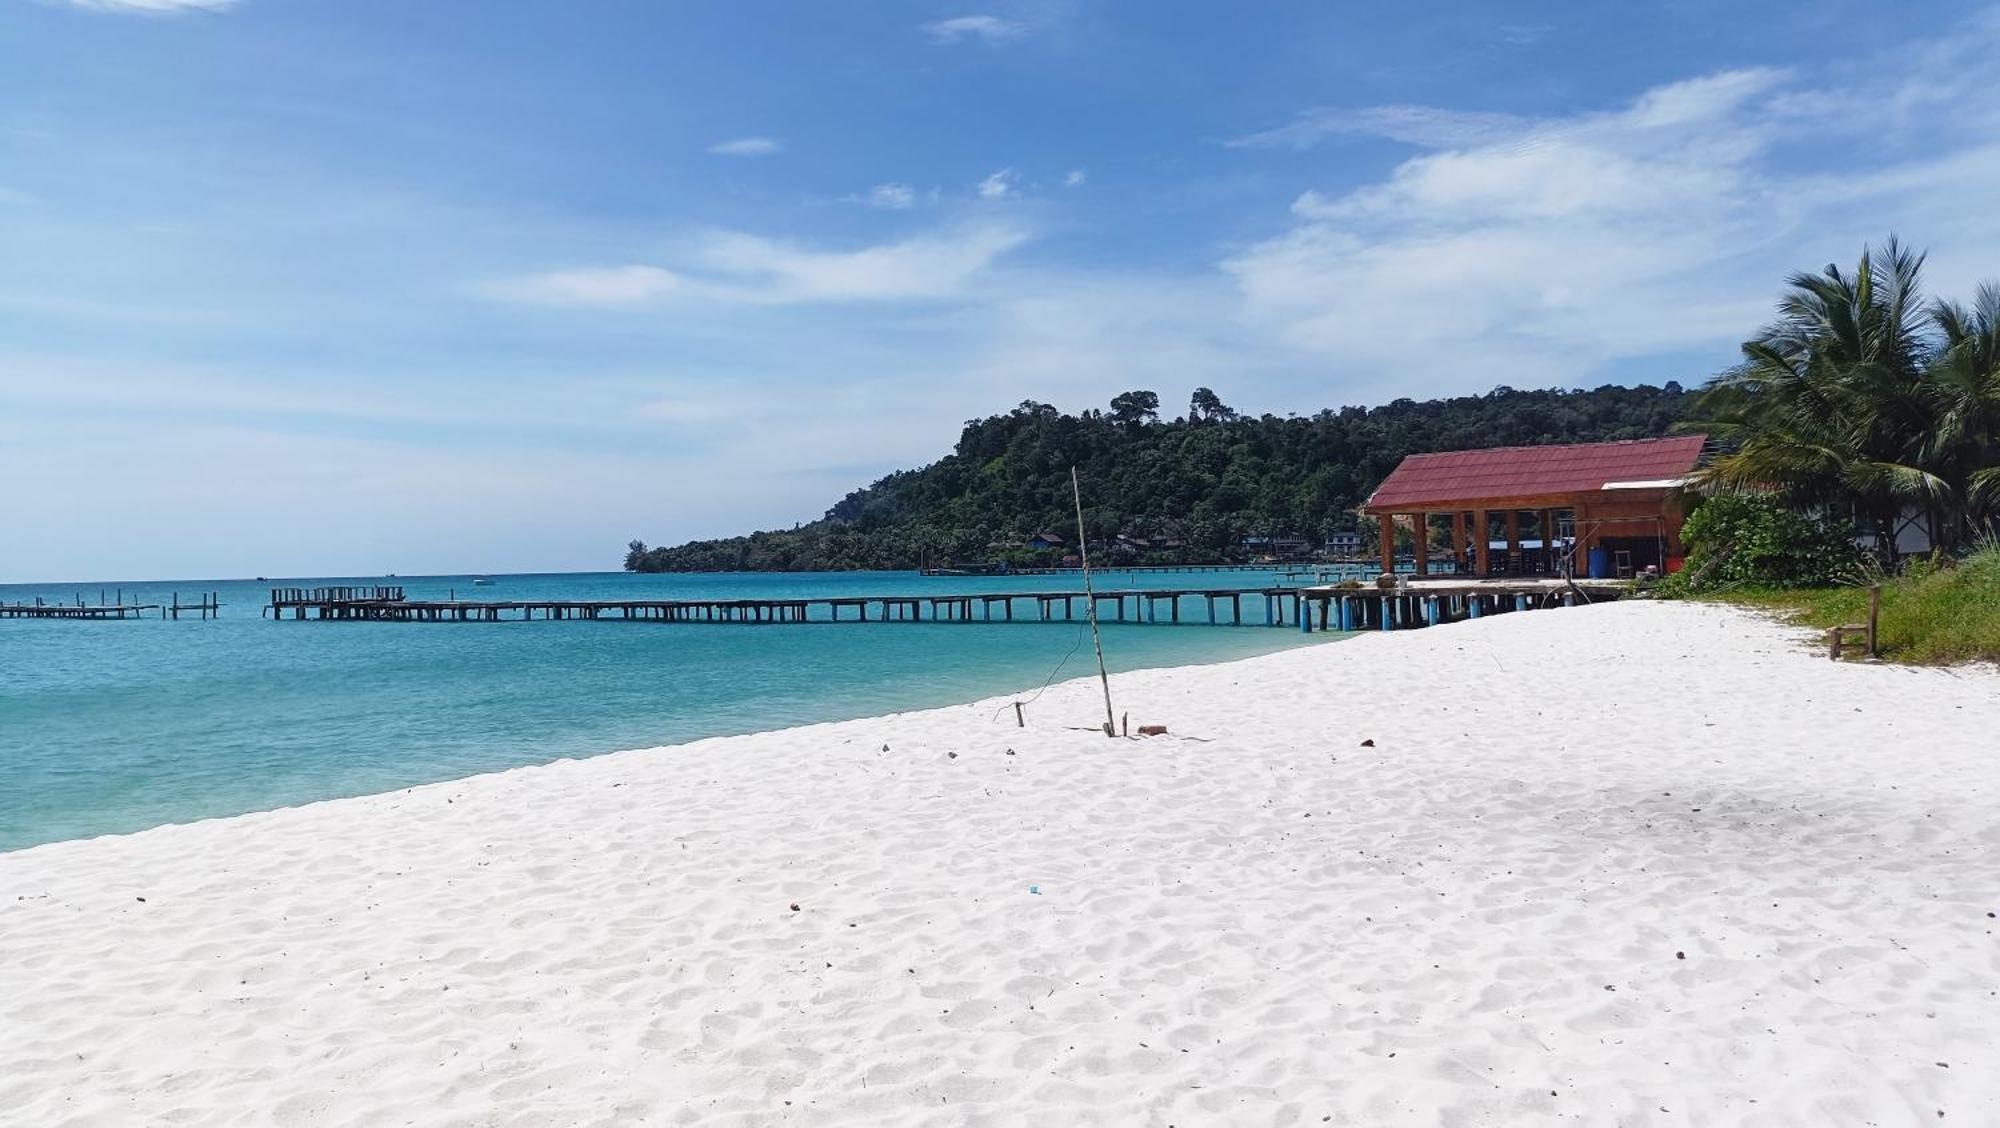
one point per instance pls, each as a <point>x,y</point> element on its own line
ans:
<point>482,581</point>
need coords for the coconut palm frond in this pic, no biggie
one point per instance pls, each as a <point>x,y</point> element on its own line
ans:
<point>1982,494</point>
<point>1864,394</point>
<point>1900,483</point>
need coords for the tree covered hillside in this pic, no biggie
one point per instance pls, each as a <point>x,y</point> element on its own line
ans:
<point>1189,488</point>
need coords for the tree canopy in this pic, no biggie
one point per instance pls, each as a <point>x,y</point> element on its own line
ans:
<point>1864,400</point>
<point>1189,488</point>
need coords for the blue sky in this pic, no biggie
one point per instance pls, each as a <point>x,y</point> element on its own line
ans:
<point>298,287</point>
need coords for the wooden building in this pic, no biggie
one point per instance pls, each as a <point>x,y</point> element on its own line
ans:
<point>1599,509</point>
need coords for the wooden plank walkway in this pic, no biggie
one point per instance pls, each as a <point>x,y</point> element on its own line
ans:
<point>1427,603</point>
<point>75,610</point>
<point>1420,603</point>
<point>1287,567</point>
<point>208,606</point>
<point>1237,606</point>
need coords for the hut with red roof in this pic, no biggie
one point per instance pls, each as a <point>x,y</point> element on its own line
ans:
<point>1597,509</point>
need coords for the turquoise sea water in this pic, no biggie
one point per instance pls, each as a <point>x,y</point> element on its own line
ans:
<point>107,727</point>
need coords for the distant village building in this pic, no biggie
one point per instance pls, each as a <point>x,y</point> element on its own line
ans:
<point>1281,547</point>
<point>1343,545</point>
<point>1045,540</point>
<point>1597,509</point>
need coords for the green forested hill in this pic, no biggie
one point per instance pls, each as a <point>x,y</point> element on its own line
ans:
<point>1200,482</point>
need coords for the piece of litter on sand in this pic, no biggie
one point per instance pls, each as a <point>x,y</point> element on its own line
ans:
<point>1035,889</point>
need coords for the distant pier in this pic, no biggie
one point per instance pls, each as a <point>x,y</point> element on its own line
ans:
<point>206,606</point>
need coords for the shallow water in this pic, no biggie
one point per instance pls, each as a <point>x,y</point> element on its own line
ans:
<point>107,727</point>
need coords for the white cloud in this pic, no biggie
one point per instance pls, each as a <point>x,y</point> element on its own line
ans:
<point>1074,178</point>
<point>891,197</point>
<point>998,185</point>
<point>1415,125</point>
<point>985,29</point>
<point>608,286</point>
<point>748,147</point>
<point>154,7</point>
<point>928,267</point>
<point>738,268</point>
<point>1547,251</point>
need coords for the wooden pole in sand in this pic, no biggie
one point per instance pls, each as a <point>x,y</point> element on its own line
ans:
<point>1090,605</point>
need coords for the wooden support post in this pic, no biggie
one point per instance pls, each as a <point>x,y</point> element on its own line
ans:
<point>1457,541</point>
<point>1579,563</point>
<point>1388,542</point>
<point>1481,535</point>
<point>1513,538</point>
<point>1421,525</point>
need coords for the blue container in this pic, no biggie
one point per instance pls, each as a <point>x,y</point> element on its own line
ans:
<point>1600,564</point>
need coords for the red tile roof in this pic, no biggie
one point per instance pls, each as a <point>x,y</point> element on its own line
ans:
<point>1460,477</point>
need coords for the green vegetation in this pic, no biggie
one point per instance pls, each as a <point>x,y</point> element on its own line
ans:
<point>1862,406</point>
<point>1864,400</point>
<point>1185,489</point>
<point>1756,539</point>
<point>1932,614</point>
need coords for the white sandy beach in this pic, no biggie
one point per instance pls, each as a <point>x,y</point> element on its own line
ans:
<point>1636,864</point>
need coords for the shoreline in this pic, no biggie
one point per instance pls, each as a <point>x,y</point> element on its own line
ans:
<point>113,728</point>
<point>999,701</point>
<point>1253,918</point>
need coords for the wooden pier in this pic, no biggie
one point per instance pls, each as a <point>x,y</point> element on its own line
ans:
<point>42,610</point>
<point>206,606</point>
<point>1305,608</point>
<point>1428,603</point>
<point>987,570</point>
<point>1270,607</point>
<point>1327,567</point>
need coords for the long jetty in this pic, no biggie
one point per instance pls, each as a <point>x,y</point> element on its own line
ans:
<point>982,570</point>
<point>1440,564</point>
<point>1268,606</point>
<point>1342,607</point>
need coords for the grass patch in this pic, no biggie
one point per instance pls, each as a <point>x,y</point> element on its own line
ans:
<point>1930,616</point>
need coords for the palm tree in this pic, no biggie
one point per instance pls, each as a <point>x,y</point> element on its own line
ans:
<point>1964,386</point>
<point>1860,400</point>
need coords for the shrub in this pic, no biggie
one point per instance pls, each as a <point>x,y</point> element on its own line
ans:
<point>1756,539</point>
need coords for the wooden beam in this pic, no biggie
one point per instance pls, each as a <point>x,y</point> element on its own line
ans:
<point>1388,542</point>
<point>1420,525</point>
<point>1580,555</point>
<point>1481,534</point>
